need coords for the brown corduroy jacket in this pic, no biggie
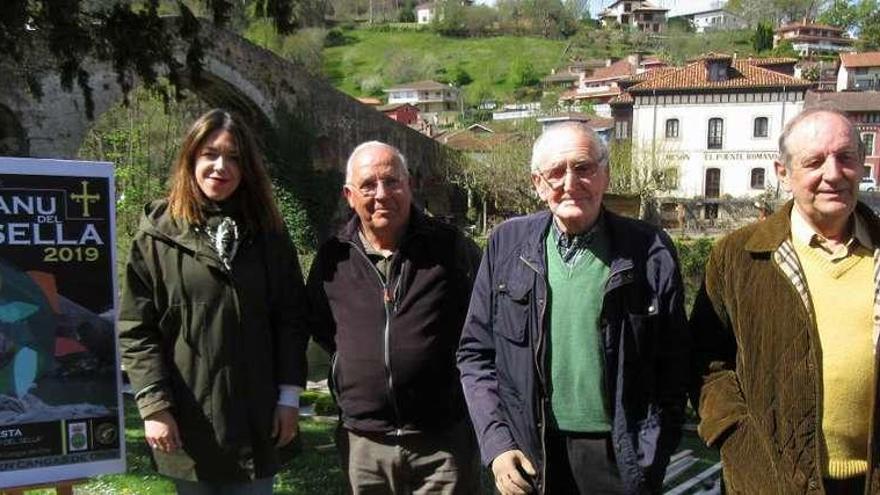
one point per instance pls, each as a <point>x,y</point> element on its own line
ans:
<point>758,363</point>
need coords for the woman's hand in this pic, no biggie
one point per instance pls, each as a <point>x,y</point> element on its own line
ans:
<point>285,425</point>
<point>160,430</point>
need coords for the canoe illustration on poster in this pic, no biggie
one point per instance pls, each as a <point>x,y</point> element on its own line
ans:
<point>60,402</point>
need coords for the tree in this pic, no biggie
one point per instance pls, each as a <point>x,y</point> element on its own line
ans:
<point>524,74</point>
<point>774,11</point>
<point>129,35</point>
<point>841,13</point>
<point>762,39</point>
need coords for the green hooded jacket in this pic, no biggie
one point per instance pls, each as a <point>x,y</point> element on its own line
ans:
<point>211,344</point>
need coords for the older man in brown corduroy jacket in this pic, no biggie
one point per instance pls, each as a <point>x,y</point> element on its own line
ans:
<point>786,327</point>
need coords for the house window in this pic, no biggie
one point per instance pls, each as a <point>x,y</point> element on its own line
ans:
<point>627,7</point>
<point>672,128</point>
<point>716,134</point>
<point>757,178</point>
<point>760,127</point>
<point>868,139</point>
<point>621,129</point>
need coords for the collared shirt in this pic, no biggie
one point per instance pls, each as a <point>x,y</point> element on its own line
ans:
<point>380,261</point>
<point>803,232</point>
<point>572,247</point>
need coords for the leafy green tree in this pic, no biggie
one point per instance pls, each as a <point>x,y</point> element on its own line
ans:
<point>840,13</point>
<point>762,39</point>
<point>524,74</point>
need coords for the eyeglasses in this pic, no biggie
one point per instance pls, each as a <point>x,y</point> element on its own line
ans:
<point>582,171</point>
<point>370,188</point>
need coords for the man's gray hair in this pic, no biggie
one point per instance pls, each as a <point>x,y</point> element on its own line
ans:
<point>571,126</point>
<point>785,154</point>
<point>349,166</point>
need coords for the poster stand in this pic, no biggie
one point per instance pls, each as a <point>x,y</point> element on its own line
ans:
<point>61,487</point>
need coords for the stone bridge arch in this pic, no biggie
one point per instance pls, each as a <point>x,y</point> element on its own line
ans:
<point>237,75</point>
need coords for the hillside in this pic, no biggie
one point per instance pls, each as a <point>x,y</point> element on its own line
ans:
<point>372,60</point>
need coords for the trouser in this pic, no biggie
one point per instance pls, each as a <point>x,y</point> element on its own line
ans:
<point>443,462</point>
<point>849,486</point>
<point>581,463</point>
<point>262,486</point>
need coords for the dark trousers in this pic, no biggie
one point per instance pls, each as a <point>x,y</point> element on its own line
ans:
<point>850,486</point>
<point>581,463</point>
<point>443,462</point>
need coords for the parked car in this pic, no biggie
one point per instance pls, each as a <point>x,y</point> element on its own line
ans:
<point>868,184</point>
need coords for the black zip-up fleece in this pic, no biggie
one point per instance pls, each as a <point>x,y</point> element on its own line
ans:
<point>393,343</point>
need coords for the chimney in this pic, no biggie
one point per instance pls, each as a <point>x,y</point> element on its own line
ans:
<point>608,62</point>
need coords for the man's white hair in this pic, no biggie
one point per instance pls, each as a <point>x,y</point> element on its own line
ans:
<point>538,149</point>
<point>349,166</point>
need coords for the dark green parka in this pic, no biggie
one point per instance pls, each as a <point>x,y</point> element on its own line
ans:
<point>212,344</point>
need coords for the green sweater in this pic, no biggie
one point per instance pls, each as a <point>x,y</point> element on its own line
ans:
<point>577,402</point>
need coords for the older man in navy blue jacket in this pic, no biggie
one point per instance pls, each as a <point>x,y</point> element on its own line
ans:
<point>574,354</point>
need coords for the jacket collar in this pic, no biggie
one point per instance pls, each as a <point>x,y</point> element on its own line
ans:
<point>771,233</point>
<point>538,228</point>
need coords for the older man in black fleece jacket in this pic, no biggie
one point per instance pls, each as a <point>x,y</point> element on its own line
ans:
<point>389,293</point>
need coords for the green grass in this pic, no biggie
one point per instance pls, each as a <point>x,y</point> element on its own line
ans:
<point>374,60</point>
<point>314,471</point>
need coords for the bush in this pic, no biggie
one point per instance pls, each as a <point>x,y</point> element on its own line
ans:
<point>692,257</point>
<point>326,406</point>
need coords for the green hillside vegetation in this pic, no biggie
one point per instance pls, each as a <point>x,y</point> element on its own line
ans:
<point>373,60</point>
<point>364,61</point>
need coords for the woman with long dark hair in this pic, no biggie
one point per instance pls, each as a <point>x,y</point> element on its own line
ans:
<point>211,322</point>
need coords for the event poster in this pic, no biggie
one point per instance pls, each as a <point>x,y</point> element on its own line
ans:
<point>60,401</point>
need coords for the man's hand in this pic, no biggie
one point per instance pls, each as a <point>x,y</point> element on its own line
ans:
<point>161,433</point>
<point>285,425</point>
<point>508,469</point>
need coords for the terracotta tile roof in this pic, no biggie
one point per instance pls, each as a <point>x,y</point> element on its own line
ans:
<point>741,74</point>
<point>369,101</point>
<point>420,85</point>
<point>621,68</point>
<point>647,74</point>
<point>798,25</point>
<point>866,59</point>
<point>846,101</point>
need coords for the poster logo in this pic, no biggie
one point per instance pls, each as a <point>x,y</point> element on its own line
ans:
<point>77,436</point>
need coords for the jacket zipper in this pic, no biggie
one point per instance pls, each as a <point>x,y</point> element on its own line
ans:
<point>389,303</point>
<point>543,399</point>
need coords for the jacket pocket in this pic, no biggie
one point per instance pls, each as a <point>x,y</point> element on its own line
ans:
<point>721,406</point>
<point>511,310</point>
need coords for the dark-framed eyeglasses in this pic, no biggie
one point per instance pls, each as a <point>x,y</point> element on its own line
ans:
<point>582,171</point>
<point>370,188</point>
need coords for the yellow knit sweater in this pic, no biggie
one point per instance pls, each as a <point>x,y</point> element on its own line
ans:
<point>842,293</point>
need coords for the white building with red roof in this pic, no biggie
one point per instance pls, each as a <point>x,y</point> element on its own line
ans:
<point>808,38</point>
<point>601,85</point>
<point>643,16</point>
<point>427,96</point>
<point>859,71</point>
<point>716,118</point>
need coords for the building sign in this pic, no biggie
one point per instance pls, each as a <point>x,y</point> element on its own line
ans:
<point>739,155</point>
<point>60,406</point>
